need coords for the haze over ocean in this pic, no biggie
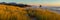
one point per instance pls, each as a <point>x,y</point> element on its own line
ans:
<point>36,2</point>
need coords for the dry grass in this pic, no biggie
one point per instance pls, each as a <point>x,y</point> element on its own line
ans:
<point>17,13</point>
<point>42,14</point>
<point>12,13</point>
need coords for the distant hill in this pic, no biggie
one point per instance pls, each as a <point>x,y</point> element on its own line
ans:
<point>15,4</point>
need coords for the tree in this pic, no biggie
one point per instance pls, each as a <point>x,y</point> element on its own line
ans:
<point>40,6</point>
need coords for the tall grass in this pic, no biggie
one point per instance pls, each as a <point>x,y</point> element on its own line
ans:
<point>12,13</point>
<point>17,13</point>
<point>42,14</point>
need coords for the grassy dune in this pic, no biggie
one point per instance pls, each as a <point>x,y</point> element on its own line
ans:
<point>17,13</point>
<point>42,14</point>
<point>12,13</point>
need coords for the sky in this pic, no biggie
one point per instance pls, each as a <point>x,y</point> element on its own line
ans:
<point>36,2</point>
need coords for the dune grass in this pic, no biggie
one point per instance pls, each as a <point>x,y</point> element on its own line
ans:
<point>42,14</point>
<point>12,13</point>
<point>17,13</point>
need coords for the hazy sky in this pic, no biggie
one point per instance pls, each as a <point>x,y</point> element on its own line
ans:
<point>43,2</point>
